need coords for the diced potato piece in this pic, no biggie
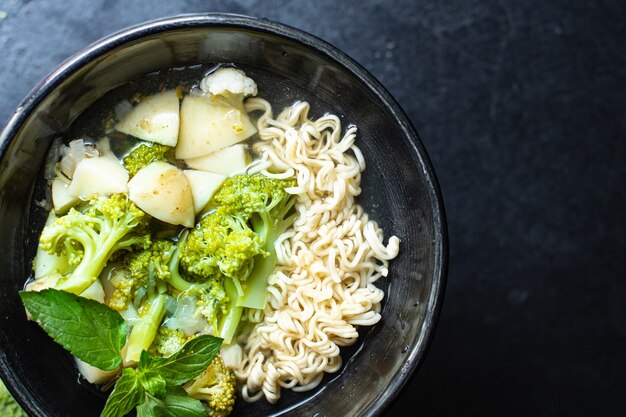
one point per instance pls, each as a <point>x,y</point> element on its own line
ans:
<point>203,186</point>
<point>155,119</point>
<point>93,374</point>
<point>62,200</point>
<point>44,282</point>
<point>232,355</point>
<point>45,263</point>
<point>225,161</point>
<point>162,190</point>
<point>94,292</point>
<point>207,126</point>
<point>102,175</point>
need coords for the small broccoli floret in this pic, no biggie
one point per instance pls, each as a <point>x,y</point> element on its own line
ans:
<point>168,341</point>
<point>155,259</point>
<point>143,155</point>
<point>162,260</point>
<point>8,406</point>
<point>221,244</point>
<point>135,270</point>
<point>216,387</point>
<point>212,304</point>
<point>90,234</point>
<point>125,287</point>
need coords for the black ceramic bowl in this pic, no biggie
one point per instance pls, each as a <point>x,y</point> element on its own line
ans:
<point>399,191</point>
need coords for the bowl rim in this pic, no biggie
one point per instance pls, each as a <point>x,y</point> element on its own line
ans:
<point>416,354</point>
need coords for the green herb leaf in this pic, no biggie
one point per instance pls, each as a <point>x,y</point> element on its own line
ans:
<point>187,363</point>
<point>90,330</point>
<point>176,404</point>
<point>127,394</point>
<point>153,383</point>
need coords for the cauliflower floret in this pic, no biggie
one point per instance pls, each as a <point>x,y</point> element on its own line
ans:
<point>225,81</point>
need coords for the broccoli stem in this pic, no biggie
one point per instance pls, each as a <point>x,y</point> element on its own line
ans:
<point>177,281</point>
<point>229,322</point>
<point>255,287</point>
<point>144,331</point>
<point>93,263</point>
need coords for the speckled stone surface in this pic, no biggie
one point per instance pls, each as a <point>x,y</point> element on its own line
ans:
<point>522,107</point>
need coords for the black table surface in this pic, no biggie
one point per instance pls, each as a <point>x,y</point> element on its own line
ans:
<point>522,108</point>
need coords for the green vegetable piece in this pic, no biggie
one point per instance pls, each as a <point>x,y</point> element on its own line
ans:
<point>154,384</point>
<point>237,239</point>
<point>143,155</point>
<point>89,330</point>
<point>144,331</point>
<point>230,321</point>
<point>91,233</point>
<point>176,404</point>
<point>127,394</point>
<point>184,365</point>
<point>216,387</point>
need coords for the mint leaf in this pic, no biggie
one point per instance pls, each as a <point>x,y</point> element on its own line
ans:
<point>153,383</point>
<point>176,404</point>
<point>128,393</point>
<point>187,363</point>
<point>90,330</point>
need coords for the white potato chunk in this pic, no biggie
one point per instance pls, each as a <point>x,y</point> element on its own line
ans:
<point>226,161</point>
<point>94,292</point>
<point>162,190</point>
<point>209,125</point>
<point>62,200</point>
<point>232,355</point>
<point>46,263</point>
<point>93,374</point>
<point>44,282</point>
<point>103,175</point>
<point>155,119</point>
<point>203,186</point>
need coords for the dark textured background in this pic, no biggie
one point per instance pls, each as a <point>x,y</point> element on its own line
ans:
<point>522,107</point>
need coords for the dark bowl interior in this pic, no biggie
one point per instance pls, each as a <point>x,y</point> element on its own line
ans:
<point>399,191</point>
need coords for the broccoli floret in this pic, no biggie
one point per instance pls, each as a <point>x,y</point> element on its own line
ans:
<point>8,406</point>
<point>125,287</point>
<point>216,387</point>
<point>234,245</point>
<point>152,270</point>
<point>155,259</point>
<point>212,303</point>
<point>135,270</point>
<point>221,244</point>
<point>268,207</point>
<point>147,269</point>
<point>161,261</point>
<point>143,155</point>
<point>168,341</point>
<point>90,234</point>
